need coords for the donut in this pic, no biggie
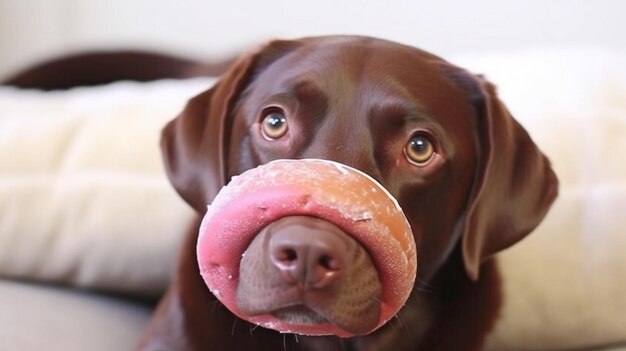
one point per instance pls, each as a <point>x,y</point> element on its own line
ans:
<point>337,193</point>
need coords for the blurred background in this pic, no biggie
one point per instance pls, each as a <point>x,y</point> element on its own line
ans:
<point>33,30</point>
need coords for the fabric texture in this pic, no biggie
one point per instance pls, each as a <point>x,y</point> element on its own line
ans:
<point>39,317</point>
<point>84,199</point>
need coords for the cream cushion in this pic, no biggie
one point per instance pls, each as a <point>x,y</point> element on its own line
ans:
<point>36,317</point>
<point>83,196</point>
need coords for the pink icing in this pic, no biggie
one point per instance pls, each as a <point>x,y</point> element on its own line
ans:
<point>256,198</point>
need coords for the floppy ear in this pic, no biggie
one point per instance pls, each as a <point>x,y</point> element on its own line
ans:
<point>514,185</point>
<point>194,144</point>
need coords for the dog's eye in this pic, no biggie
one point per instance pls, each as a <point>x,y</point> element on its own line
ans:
<point>274,124</point>
<point>419,150</point>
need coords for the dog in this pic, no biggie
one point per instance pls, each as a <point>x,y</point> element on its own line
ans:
<point>467,176</point>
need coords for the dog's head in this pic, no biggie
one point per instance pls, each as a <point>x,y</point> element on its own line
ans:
<point>465,173</point>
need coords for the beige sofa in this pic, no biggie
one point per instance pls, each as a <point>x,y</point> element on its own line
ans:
<point>87,217</point>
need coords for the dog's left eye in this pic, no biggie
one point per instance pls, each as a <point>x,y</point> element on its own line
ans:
<point>274,124</point>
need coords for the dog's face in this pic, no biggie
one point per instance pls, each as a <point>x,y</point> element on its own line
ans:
<point>467,176</point>
<point>358,103</point>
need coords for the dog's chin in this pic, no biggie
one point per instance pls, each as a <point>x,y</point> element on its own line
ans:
<point>399,334</point>
<point>299,314</point>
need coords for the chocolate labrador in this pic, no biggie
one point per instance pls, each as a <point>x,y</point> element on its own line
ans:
<point>469,179</point>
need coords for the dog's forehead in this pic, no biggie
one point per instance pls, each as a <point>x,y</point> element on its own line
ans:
<point>354,69</point>
<point>355,60</point>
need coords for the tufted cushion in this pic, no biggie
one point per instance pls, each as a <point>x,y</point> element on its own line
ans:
<point>83,196</point>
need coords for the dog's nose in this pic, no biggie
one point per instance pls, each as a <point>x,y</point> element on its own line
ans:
<point>308,252</point>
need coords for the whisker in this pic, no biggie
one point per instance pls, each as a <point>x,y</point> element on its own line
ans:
<point>254,328</point>
<point>214,305</point>
<point>284,342</point>
<point>375,299</point>
<point>232,330</point>
<point>425,287</point>
<point>401,323</point>
<point>424,283</point>
<point>295,336</point>
<point>424,290</point>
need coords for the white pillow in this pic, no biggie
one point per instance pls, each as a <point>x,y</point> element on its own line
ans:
<point>83,196</point>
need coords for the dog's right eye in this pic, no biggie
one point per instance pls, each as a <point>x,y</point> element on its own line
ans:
<point>419,150</point>
<point>274,124</point>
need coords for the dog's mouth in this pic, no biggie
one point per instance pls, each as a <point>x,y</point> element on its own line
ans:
<point>351,284</point>
<point>299,314</point>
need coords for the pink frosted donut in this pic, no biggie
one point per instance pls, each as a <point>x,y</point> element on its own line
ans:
<point>342,195</point>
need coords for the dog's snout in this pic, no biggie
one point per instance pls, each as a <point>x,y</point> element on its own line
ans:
<point>308,253</point>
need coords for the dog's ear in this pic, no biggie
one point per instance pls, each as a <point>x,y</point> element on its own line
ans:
<point>514,184</point>
<point>194,144</point>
